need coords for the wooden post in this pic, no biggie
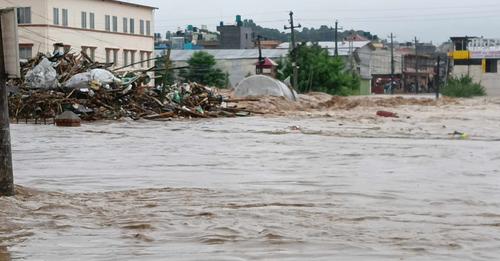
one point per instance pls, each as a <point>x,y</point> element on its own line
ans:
<point>6,174</point>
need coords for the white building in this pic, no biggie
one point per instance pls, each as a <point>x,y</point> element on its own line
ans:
<point>107,30</point>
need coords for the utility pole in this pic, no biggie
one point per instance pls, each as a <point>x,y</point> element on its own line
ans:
<point>261,59</point>
<point>351,51</point>
<point>6,173</point>
<point>295,66</point>
<point>393,68</point>
<point>337,38</point>
<point>438,77</point>
<point>166,59</point>
<point>416,67</point>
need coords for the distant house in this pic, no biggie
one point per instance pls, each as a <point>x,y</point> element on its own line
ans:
<point>479,59</point>
<point>375,65</point>
<point>425,74</point>
<point>356,38</point>
<point>107,30</point>
<point>236,36</point>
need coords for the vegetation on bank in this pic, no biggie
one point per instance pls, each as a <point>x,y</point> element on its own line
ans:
<point>201,69</point>
<point>319,72</point>
<point>463,87</point>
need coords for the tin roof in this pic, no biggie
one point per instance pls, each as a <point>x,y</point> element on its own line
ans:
<point>331,45</point>
<point>229,54</point>
<point>235,54</point>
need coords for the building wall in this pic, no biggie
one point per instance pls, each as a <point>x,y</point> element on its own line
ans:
<point>235,37</point>
<point>490,81</point>
<point>42,33</point>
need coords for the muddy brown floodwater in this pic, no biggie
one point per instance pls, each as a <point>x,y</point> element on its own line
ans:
<point>347,185</point>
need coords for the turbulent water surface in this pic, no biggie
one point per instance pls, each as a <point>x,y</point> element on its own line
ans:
<point>252,189</point>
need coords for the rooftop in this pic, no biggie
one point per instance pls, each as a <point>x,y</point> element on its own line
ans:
<point>130,4</point>
<point>229,54</point>
<point>331,45</point>
<point>235,54</point>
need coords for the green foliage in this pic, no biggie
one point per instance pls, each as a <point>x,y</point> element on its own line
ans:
<point>201,69</point>
<point>463,87</point>
<point>319,72</point>
<point>324,33</point>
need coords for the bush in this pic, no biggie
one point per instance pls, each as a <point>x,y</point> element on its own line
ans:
<point>319,72</point>
<point>463,87</point>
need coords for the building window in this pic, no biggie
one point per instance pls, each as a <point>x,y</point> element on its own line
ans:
<point>24,15</point>
<point>92,20</point>
<point>148,57</point>
<point>132,26</point>
<point>65,17</point>
<point>148,28</point>
<point>107,23</point>
<point>56,16</point>
<point>141,27</point>
<point>132,58</point>
<point>25,52</point>
<point>84,20</point>
<point>115,24</point>
<point>125,25</point>
<point>125,57</point>
<point>115,57</point>
<point>491,66</point>
<point>92,53</point>
<point>108,55</point>
<point>143,57</point>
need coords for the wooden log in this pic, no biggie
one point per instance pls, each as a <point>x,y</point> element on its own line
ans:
<point>160,116</point>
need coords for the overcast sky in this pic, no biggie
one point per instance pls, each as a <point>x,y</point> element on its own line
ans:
<point>429,20</point>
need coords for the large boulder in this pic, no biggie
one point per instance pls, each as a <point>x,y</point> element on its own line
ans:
<point>261,85</point>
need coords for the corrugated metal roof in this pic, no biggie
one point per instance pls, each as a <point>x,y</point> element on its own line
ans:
<point>235,54</point>
<point>331,45</point>
<point>223,54</point>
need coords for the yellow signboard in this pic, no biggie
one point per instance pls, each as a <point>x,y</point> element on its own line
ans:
<point>460,55</point>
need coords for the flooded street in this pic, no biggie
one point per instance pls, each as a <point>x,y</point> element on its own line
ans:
<point>343,185</point>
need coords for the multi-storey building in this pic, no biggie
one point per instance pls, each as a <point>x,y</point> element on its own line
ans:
<point>236,36</point>
<point>478,58</point>
<point>107,30</point>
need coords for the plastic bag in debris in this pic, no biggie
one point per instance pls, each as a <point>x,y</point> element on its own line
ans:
<point>43,76</point>
<point>104,76</point>
<point>84,80</point>
<point>78,81</point>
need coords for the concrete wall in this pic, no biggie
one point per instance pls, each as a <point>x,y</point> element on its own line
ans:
<point>491,81</point>
<point>42,33</point>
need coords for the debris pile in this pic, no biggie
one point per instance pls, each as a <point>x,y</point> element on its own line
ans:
<point>68,82</point>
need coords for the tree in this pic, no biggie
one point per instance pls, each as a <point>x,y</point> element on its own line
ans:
<point>319,72</point>
<point>323,33</point>
<point>201,69</point>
